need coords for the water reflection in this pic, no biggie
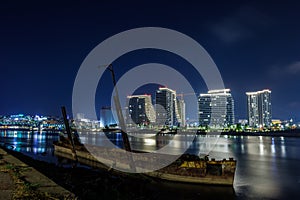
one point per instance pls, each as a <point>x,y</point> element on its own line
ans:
<point>224,147</point>
<point>35,144</point>
<point>267,167</point>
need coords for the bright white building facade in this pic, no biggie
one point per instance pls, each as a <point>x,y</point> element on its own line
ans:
<point>259,108</point>
<point>216,109</point>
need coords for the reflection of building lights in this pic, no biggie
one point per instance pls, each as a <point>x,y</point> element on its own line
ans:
<point>261,149</point>
<point>243,148</point>
<point>273,149</point>
<point>175,143</point>
<point>149,142</point>
<point>282,138</point>
<point>40,137</point>
<point>283,153</point>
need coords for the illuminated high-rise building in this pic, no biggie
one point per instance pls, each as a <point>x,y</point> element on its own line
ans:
<point>216,108</point>
<point>167,108</point>
<point>259,108</point>
<point>140,110</point>
<point>181,111</point>
<point>106,116</point>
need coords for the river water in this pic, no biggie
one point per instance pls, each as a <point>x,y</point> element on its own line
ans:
<point>267,167</point>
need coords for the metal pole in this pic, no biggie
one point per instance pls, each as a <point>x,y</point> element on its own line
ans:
<point>121,119</point>
<point>119,113</point>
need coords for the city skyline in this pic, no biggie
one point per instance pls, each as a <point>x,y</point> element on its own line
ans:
<point>153,101</point>
<point>215,111</point>
<point>254,45</point>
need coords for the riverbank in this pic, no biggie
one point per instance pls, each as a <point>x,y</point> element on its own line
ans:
<point>270,134</point>
<point>21,181</point>
<point>91,183</point>
<point>288,133</point>
<point>85,183</point>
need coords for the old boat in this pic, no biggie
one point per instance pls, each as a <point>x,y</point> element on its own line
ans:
<point>187,168</point>
<point>192,169</point>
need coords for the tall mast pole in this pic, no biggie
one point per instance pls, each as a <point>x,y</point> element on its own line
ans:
<point>119,112</point>
<point>121,118</point>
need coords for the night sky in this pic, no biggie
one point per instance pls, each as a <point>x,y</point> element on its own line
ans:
<point>255,45</point>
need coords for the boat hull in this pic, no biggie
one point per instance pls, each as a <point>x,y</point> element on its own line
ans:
<point>225,179</point>
<point>207,180</point>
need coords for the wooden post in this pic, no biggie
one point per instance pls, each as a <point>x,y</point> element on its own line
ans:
<point>69,132</point>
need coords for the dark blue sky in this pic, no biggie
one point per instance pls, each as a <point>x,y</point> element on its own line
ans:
<point>42,45</point>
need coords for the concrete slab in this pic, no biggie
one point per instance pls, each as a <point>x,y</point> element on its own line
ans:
<point>29,174</point>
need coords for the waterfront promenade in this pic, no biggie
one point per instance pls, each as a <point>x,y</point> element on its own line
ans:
<point>19,180</point>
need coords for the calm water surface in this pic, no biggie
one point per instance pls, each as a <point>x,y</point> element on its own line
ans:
<point>267,167</point>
